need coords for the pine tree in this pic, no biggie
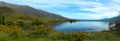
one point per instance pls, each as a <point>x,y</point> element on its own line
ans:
<point>2,19</point>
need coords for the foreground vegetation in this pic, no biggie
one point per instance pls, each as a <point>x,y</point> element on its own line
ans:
<point>40,33</point>
<point>103,36</point>
<point>37,33</point>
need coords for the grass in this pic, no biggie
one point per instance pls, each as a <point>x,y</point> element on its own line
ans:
<point>40,33</point>
<point>103,36</point>
<point>37,33</point>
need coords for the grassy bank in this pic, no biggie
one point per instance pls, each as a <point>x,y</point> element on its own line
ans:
<point>103,36</point>
<point>37,33</point>
<point>40,33</point>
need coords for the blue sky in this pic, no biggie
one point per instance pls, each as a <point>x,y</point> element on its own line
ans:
<point>76,9</point>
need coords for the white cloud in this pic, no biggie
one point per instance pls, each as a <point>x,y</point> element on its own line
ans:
<point>100,16</point>
<point>118,1</point>
<point>107,10</point>
<point>96,9</point>
<point>102,10</point>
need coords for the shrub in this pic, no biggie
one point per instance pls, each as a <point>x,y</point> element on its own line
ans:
<point>10,23</point>
<point>38,30</point>
<point>2,19</point>
<point>12,31</point>
<point>37,22</point>
<point>80,36</point>
<point>20,23</point>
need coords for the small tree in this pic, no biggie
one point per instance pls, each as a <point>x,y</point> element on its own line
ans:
<point>37,22</point>
<point>20,23</point>
<point>2,19</point>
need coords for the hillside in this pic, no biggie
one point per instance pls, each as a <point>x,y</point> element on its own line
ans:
<point>32,11</point>
<point>116,18</point>
<point>14,15</point>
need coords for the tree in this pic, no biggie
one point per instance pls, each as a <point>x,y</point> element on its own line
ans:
<point>2,19</point>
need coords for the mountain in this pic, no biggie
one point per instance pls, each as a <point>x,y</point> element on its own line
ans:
<point>116,18</point>
<point>32,11</point>
<point>14,15</point>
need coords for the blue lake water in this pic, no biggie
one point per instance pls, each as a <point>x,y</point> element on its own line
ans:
<point>82,26</point>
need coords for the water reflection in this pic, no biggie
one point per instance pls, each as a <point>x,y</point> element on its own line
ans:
<point>82,26</point>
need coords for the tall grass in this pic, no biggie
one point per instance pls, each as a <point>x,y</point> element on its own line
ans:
<point>38,33</point>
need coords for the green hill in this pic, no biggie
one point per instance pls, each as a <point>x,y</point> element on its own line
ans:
<point>32,11</point>
<point>13,17</point>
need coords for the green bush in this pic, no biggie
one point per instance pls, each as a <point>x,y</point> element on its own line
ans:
<point>2,19</point>
<point>38,30</point>
<point>80,36</point>
<point>36,22</point>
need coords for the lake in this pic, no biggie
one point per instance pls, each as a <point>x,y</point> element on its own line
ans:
<point>82,26</point>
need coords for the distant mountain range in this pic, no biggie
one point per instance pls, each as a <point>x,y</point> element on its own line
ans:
<point>117,18</point>
<point>32,11</point>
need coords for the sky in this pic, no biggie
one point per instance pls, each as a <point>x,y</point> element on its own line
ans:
<point>75,9</point>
